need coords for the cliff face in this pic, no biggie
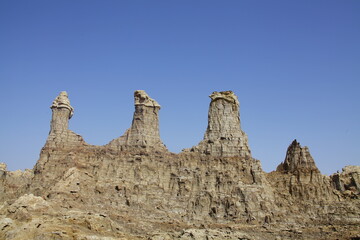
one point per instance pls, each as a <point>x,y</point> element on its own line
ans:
<point>134,188</point>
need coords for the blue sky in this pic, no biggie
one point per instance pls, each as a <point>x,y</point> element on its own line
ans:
<point>295,66</point>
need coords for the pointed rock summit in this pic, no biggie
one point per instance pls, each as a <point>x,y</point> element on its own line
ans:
<point>297,158</point>
<point>144,130</point>
<point>224,136</point>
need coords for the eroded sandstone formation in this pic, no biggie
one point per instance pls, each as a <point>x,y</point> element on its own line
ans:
<point>144,130</point>
<point>224,136</point>
<point>347,181</point>
<point>62,111</point>
<point>297,159</point>
<point>134,188</point>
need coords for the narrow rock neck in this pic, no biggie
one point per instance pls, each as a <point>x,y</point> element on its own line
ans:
<point>60,120</point>
<point>223,121</point>
<point>223,136</point>
<point>144,130</point>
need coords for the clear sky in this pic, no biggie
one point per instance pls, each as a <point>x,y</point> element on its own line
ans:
<point>295,66</point>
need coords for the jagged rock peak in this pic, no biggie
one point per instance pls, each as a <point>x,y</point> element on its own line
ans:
<point>297,158</point>
<point>141,98</point>
<point>224,136</point>
<point>62,101</point>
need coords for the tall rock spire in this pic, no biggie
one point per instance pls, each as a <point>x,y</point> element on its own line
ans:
<point>144,130</point>
<point>62,111</point>
<point>224,136</point>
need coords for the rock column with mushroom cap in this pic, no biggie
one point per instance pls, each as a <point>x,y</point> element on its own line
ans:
<point>144,130</point>
<point>60,135</point>
<point>62,111</point>
<point>224,136</point>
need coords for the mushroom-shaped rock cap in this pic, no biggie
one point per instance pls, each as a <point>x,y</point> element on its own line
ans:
<point>141,98</point>
<point>62,101</point>
<point>226,95</point>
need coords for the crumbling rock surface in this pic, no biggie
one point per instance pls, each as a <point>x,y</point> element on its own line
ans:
<point>348,181</point>
<point>13,184</point>
<point>144,130</point>
<point>297,159</point>
<point>134,188</point>
<point>224,136</point>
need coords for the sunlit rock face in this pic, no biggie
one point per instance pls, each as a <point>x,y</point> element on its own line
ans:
<point>57,154</point>
<point>297,159</point>
<point>223,136</point>
<point>144,130</point>
<point>134,188</point>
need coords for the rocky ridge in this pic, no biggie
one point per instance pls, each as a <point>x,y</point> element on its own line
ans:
<point>134,188</point>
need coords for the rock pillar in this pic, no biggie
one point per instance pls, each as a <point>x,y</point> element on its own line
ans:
<point>145,125</point>
<point>224,136</point>
<point>144,130</point>
<point>62,111</point>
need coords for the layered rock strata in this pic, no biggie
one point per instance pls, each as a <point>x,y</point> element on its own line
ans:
<point>347,181</point>
<point>302,190</point>
<point>134,188</point>
<point>58,153</point>
<point>13,183</point>
<point>144,130</point>
<point>297,159</point>
<point>62,111</point>
<point>224,136</point>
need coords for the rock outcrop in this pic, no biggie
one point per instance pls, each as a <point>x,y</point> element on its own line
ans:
<point>224,136</point>
<point>62,111</point>
<point>348,181</point>
<point>53,162</point>
<point>13,184</point>
<point>304,193</point>
<point>144,130</point>
<point>297,159</point>
<point>134,188</point>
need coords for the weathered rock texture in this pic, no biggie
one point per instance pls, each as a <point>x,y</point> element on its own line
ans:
<point>133,188</point>
<point>297,159</point>
<point>348,181</point>
<point>144,130</point>
<point>58,153</point>
<point>62,111</point>
<point>224,136</point>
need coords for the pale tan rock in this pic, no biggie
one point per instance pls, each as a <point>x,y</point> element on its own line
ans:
<point>141,98</point>
<point>348,181</point>
<point>62,101</point>
<point>224,136</point>
<point>144,130</point>
<point>3,167</point>
<point>13,183</point>
<point>297,159</point>
<point>30,202</point>
<point>133,188</point>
